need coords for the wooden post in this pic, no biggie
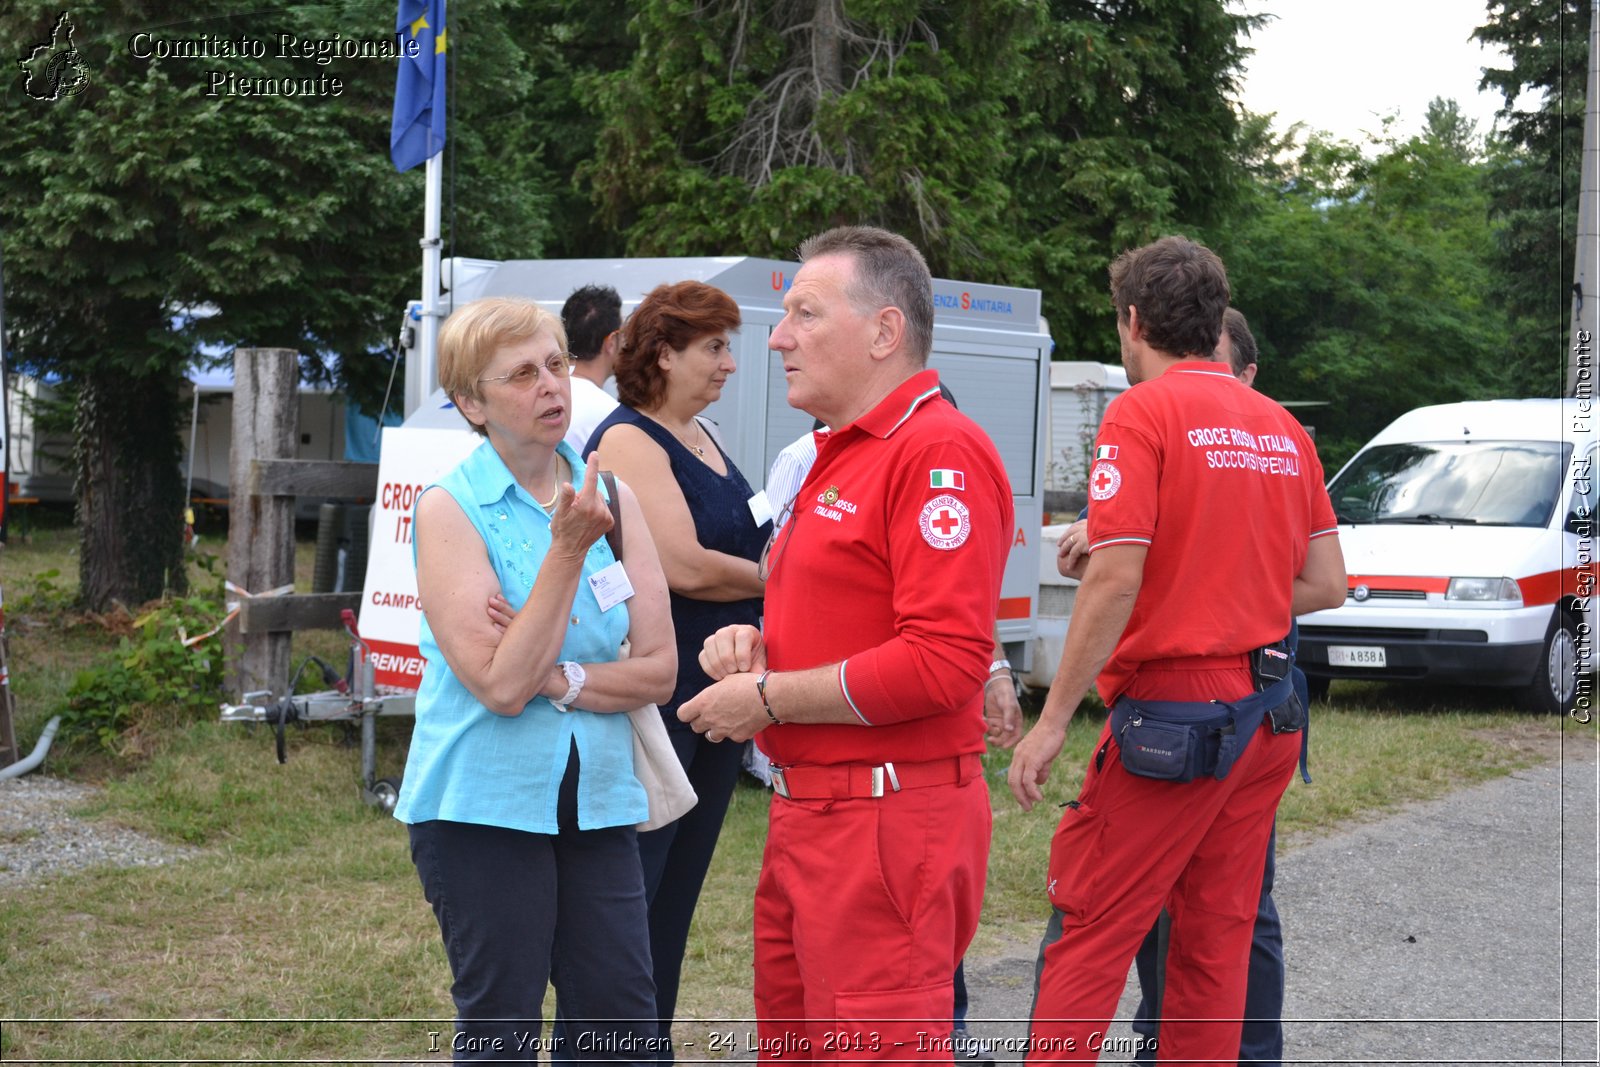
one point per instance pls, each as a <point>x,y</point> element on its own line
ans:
<point>8,705</point>
<point>266,415</point>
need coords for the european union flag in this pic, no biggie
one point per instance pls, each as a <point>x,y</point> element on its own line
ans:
<point>417,133</point>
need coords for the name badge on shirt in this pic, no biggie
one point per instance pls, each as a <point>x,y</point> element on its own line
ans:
<point>611,586</point>
<point>761,508</point>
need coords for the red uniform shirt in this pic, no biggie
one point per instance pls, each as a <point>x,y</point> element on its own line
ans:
<point>1225,488</point>
<point>890,566</point>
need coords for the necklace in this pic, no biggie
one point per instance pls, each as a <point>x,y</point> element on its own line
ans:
<point>557,494</point>
<point>699,434</point>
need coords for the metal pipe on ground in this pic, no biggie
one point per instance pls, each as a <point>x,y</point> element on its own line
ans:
<point>36,757</point>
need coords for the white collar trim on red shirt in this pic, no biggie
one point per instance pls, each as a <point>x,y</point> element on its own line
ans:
<point>1219,373</point>
<point>911,408</point>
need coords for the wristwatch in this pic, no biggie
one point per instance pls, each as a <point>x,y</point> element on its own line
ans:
<point>1000,664</point>
<point>575,676</point>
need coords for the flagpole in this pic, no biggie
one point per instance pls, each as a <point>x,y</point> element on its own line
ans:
<point>417,135</point>
<point>423,378</point>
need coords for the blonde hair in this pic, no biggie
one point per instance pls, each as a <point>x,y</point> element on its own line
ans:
<point>472,335</point>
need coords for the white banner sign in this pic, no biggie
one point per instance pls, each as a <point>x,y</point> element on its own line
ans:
<point>391,615</point>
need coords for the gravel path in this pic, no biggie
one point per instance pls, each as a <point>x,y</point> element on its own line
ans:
<point>1458,930</point>
<point>39,837</point>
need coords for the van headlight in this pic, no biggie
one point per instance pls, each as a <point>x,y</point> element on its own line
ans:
<point>1483,589</point>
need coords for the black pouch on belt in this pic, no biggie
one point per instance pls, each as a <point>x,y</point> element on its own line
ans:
<point>1289,717</point>
<point>1271,664</point>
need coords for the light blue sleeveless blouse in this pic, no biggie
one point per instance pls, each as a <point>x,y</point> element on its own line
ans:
<point>467,764</point>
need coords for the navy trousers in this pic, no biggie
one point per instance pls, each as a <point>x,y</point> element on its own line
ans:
<point>675,859</point>
<point>518,911</point>
<point>1261,1040</point>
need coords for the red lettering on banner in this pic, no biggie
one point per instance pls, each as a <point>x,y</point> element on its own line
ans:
<point>397,496</point>
<point>396,665</point>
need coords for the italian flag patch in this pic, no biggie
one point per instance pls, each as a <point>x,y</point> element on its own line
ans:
<point>946,479</point>
<point>1106,452</point>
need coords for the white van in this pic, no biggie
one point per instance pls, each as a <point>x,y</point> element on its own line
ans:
<point>1468,533</point>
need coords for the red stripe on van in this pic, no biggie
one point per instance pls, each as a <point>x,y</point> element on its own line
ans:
<point>1394,581</point>
<point>1551,586</point>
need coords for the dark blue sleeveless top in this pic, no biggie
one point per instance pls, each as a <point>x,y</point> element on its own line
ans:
<point>720,506</point>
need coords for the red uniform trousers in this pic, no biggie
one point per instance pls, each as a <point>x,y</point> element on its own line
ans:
<point>863,908</point>
<point>1132,846</point>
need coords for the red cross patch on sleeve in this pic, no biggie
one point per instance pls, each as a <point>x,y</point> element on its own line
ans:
<point>1104,481</point>
<point>945,522</point>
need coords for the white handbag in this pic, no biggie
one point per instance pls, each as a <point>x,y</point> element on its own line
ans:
<point>655,764</point>
<point>655,761</point>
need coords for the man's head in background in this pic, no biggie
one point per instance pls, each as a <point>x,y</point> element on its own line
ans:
<point>1237,346</point>
<point>1169,297</point>
<point>592,316</point>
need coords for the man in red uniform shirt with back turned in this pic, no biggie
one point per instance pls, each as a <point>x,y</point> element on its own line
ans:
<point>866,687</point>
<point>1209,531</point>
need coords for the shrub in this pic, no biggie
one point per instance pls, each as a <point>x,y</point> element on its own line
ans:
<point>152,671</point>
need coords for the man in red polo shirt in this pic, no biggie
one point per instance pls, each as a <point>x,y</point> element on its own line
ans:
<point>1209,531</point>
<point>866,689</point>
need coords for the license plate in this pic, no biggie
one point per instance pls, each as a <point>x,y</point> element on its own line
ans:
<point>1356,656</point>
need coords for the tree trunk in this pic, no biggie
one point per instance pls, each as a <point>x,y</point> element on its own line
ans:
<point>827,42</point>
<point>130,488</point>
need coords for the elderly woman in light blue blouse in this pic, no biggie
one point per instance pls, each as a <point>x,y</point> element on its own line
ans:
<point>519,791</point>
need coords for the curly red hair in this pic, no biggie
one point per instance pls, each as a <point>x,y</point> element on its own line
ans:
<point>673,315</point>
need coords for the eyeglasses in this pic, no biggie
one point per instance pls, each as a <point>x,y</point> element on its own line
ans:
<point>774,546</point>
<point>558,365</point>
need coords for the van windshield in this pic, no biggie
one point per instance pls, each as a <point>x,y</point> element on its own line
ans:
<point>1480,483</point>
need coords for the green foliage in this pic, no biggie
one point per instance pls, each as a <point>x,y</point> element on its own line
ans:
<point>1534,177</point>
<point>153,670</point>
<point>1369,281</point>
<point>40,595</point>
<point>1125,130</point>
<point>566,44</point>
<point>746,126</point>
<point>1016,142</point>
<point>156,192</point>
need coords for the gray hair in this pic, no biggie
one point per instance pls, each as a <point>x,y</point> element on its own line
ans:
<point>889,272</point>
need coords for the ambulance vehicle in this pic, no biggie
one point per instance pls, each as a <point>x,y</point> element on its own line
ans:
<point>1468,533</point>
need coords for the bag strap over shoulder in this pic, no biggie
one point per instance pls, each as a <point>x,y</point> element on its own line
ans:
<point>613,535</point>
